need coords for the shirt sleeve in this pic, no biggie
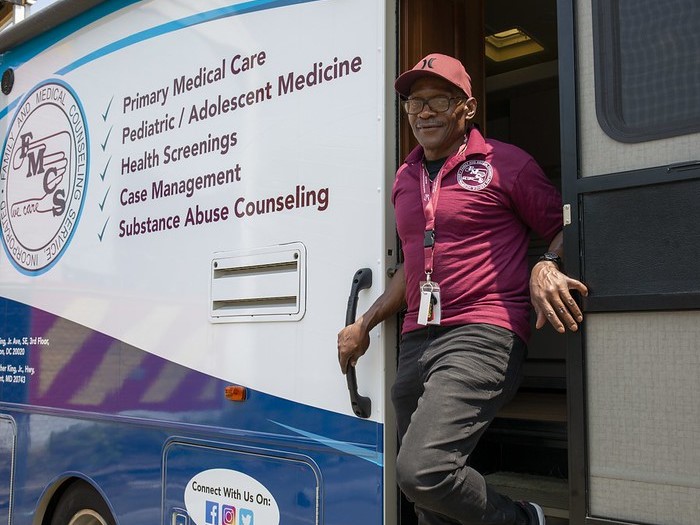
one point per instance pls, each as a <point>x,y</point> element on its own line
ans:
<point>537,201</point>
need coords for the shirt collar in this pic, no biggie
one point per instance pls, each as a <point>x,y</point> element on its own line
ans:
<point>476,145</point>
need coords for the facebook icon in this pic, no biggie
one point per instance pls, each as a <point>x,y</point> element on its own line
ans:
<point>211,513</point>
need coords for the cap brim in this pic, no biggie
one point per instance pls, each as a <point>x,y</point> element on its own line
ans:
<point>403,84</point>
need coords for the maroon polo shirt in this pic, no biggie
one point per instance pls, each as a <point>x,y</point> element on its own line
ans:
<point>491,197</point>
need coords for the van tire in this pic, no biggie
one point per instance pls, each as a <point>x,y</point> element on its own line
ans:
<point>81,504</point>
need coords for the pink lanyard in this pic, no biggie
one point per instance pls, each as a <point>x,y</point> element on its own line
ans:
<point>429,200</point>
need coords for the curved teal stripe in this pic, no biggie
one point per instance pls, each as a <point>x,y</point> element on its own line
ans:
<point>25,52</point>
<point>176,25</point>
<point>43,42</point>
<point>373,457</point>
<point>4,111</point>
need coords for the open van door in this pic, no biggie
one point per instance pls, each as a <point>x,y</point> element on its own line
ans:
<point>631,177</point>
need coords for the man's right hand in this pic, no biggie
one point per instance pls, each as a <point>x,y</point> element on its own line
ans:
<point>353,342</point>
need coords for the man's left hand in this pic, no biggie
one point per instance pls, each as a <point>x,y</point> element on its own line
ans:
<point>550,293</point>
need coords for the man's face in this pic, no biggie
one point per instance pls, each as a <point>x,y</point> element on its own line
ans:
<point>440,134</point>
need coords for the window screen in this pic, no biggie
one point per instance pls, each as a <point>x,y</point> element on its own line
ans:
<point>647,67</point>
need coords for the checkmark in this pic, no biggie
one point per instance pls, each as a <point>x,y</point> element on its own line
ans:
<point>104,171</point>
<point>102,204</point>
<point>101,234</point>
<point>104,144</point>
<point>104,115</point>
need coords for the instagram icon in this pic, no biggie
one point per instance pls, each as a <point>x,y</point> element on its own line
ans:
<point>228,515</point>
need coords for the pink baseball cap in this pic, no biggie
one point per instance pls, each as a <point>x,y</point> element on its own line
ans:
<point>435,65</point>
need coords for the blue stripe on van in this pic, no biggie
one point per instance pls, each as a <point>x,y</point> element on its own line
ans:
<point>176,25</point>
<point>24,53</point>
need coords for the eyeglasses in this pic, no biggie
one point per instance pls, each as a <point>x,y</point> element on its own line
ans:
<point>438,104</point>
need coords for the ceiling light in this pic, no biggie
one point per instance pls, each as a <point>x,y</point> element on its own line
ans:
<point>510,44</point>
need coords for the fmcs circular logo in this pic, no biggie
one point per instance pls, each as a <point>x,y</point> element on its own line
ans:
<point>43,179</point>
<point>474,175</point>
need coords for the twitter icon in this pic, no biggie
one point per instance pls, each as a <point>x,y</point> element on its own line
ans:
<point>245,517</point>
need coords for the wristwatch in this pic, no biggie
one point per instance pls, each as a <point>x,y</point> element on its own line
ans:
<point>551,257</point>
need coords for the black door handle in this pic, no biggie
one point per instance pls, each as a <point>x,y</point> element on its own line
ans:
<point>361,405</point>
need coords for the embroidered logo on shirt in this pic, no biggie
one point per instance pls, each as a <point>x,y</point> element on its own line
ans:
<point>474,175</point>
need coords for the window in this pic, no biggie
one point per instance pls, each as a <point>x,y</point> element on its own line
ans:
<point>647,68</point>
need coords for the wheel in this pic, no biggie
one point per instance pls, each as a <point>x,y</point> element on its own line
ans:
<point>81,504</point>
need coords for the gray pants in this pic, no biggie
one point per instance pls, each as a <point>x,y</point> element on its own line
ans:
<point>450,383</point>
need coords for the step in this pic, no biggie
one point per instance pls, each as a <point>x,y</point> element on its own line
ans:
<point>552,494</point>
<point>536,406</point>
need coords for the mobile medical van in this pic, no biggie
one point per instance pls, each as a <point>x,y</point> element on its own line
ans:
<point>195,198</point>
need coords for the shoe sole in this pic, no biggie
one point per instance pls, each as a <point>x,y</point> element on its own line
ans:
<point>540,513</point>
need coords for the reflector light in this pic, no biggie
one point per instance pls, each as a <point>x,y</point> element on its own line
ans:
<point>235,393</point>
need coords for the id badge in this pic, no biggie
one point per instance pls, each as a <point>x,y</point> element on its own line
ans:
<point>429,308</point>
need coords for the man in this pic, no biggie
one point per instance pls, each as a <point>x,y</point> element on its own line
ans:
<point>464,209</point>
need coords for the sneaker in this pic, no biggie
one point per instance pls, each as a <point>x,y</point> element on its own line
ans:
<point>534,512</point>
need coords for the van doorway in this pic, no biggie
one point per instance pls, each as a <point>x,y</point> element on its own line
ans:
<point>510,50</point>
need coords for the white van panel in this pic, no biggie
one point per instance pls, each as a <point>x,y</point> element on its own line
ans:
<point>309,163</point>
